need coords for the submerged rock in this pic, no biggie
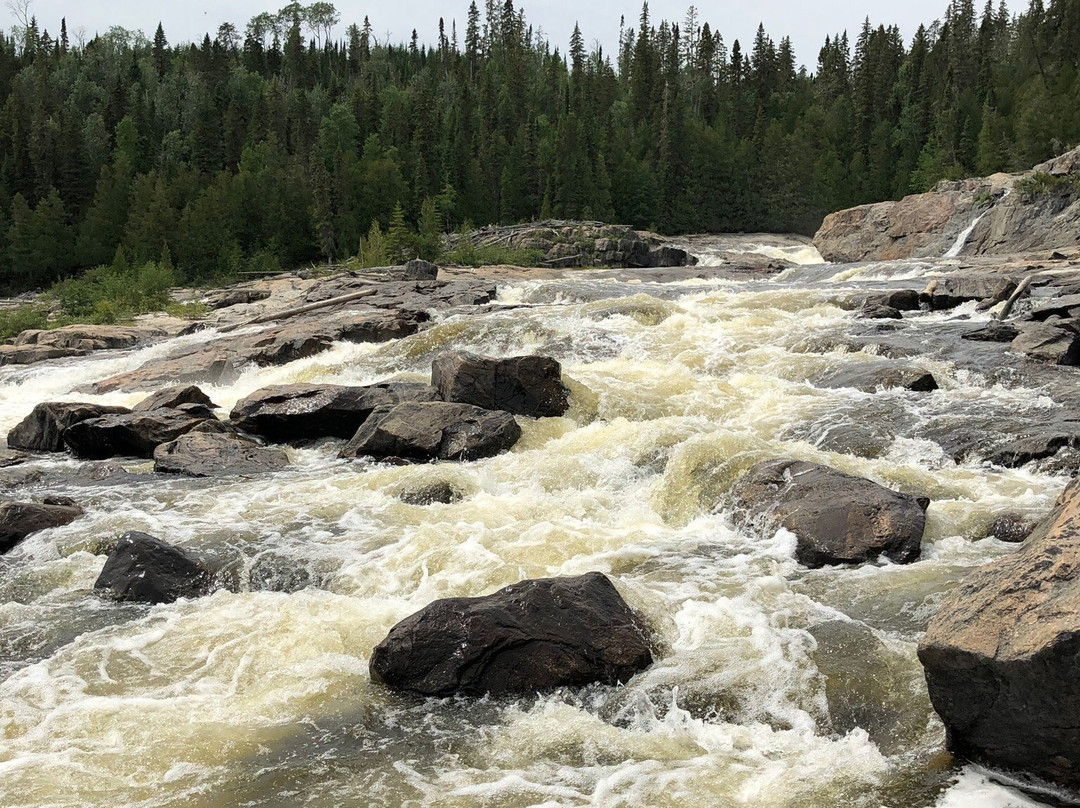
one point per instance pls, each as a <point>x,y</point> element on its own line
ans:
<point>292,412</point>
<point>43,429</point>
<point>172,397</point>
<point>1010,527</point>
<point>535,635</point>
<point>429,493</point>
<point>434,430</point>
<point>19,519</point>
<point>145,569</point>
<point>873,376</point>
<point>522,385</point>
<point>135,434</point>
<point>202,454</point>
<point>1001,656</point>
<point>836,518</point>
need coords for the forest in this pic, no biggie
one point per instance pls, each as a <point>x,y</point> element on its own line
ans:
<point>277,145</point>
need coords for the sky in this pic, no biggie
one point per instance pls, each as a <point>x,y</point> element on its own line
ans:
<point>807,22</point>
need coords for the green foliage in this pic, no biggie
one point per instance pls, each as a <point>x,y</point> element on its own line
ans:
<point>1042,184</point>
<point>23,318</point>
<point>109,294</point>
<point>373,248</point>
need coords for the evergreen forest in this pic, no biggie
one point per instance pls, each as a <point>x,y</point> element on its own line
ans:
<point>278,144</point>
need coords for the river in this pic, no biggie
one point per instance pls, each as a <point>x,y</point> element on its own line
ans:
<point>774,685</point>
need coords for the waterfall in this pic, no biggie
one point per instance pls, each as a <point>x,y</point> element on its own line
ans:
<point>961,240</point>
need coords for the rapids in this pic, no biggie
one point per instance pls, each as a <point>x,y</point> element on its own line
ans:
<point>775,685</point>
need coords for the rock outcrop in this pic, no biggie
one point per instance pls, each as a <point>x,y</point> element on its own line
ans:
<point>533,636</point>
<point>73,340</point>
<point>43,429</point>
<point>836,518</point>
<point>293,412</point>
<point>172,397</point>
<point>522,385</point>
<point>1001,655</point>
<point>1034,210</point>
<point>203,454</point>
<point>135,434</point>
<point>434,430</point>
<point>144,569</point>
<point>19,519</point>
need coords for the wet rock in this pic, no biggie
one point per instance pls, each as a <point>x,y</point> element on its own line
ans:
<point>8,458</point>
<point>1049,342</point>
<point>873,376</point>
<point>224,298</point>
<point>1010,527</point>
<point>1037,446</point>
<point>201,454</point>
<point>879,313</point>
<point>173,397</point>
<point>135,434</point>
<point>993,331</point>
<point>953,290</point>
<point>1000,656</point>
<point>43,429</point>
<point>533,636</point>
<point>145,569</point>
<point>1066,306</point>
<point>434,430</point>
<point>668,256</point>
<point>429,493</point>
<point>523,385</point>
<point>837,518</point>
<point>19,519</point>
<point>292,412</point>
<point>899,299</point>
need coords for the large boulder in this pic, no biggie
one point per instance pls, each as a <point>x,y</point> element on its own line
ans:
<point>135,434</point>
<point>434,430</point>
<point>203,454</point>
<point>43,429</point>
<point>293,412</point>
<point>1054,341</point>
<point>172,397</point>
<point>19,519</point>
<point>523,385</point>
<point>145,569</point>
<point>878,375</point>
<point>953,290</point>
<point>836,518</point>
<point>532,636</point>
<point>1001,655</point>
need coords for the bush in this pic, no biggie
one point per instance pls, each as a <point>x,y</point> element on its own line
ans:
<point>23,318</point>
<point>1042,184</point>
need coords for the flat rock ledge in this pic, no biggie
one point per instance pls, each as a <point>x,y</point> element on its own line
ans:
<point>837,518</point>
<point>532,636</point>
<point>1002,656</point>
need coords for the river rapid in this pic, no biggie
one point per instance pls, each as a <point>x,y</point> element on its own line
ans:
<point>774,685</point>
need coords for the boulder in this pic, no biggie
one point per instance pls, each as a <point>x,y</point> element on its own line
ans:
<point>1036,446</point>
<point>899,299</point>
<point>73,340</point>
<point>292,412</point>
<point>172,397</point>
<point>877,312</point>
<point>1049,342</point>
<point>836,518</point>
<point>533,636</point>
<point>882,374</point>
<point>1001,656</point>
<point>953,290</point>
<point>1010,527</point>
<point>43,429</point>
<point>420,270</point>
<point>19,519</point>
<point>224,298</point>
<point>145,569</point>
<point>523,385</point>
<point>203,454</point>
<point>993,331</point>
<point>668,256</point>
<point>1067,306</point>
<point>429,493</point>
<point>135,434</point>
<point>434,430</point>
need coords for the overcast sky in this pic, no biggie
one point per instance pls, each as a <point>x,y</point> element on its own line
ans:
<point>806,21</point>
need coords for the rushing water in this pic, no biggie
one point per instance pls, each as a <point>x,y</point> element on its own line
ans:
<point>774,685</point>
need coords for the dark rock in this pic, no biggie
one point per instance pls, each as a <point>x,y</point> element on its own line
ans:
<point>19,519</point>
<point>953,290</point>
<point>668,256</point>
<point>434,430</point>
<point>9,458</point>
<point>223,298</point>
<point>135,434</point>
<point>43,429</point>
<point>200,454</point>
<point>1048,342</point>
<point>172,397</point>
<point>993,331</point>
<point>899,299</point>
<point>420,270</point>
<point>879,313</point>
<point>1001,653</point>
<point>523,385</point>
<point>428,493</point>
<point>145,569</point>
<point>303,411</point>
<point>837,518</point>
<point>1010,527</point>
<point>872,376</point>
<point>1023,450</point>
<point>1064,306</point>
<point>533,636</point>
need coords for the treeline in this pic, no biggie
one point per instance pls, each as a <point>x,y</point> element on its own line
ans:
<point>281,145</point>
